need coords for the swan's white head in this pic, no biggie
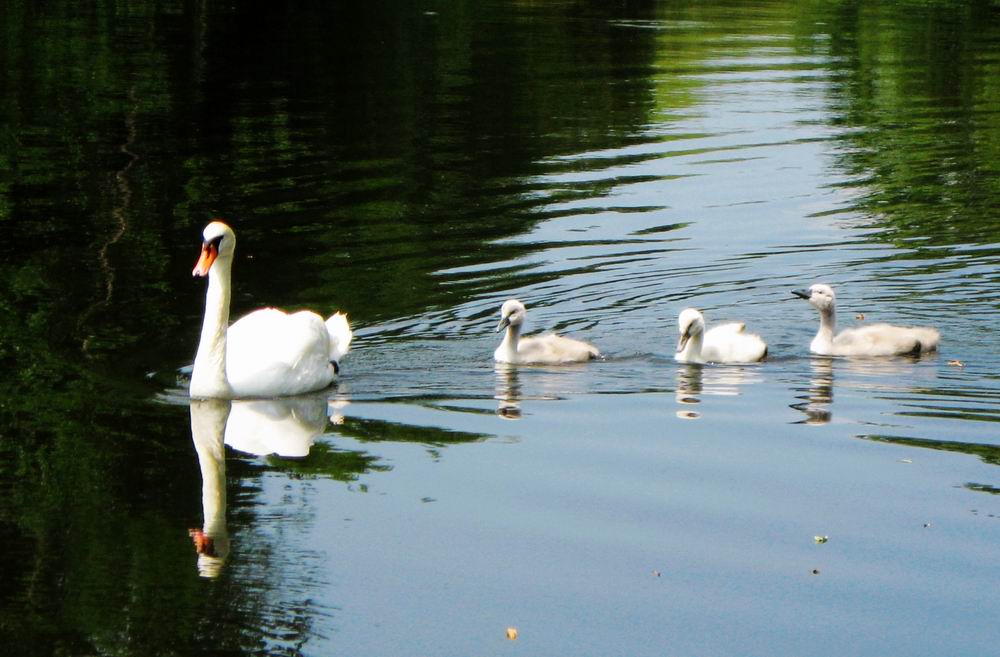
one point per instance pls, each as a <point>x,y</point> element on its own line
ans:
<point>821,296</point>
<point>689,324</point>
<point>512,313</point>
<point>219,243</point>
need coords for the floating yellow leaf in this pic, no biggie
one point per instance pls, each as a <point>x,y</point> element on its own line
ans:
<point>821,539</point>
<point>860,316</point>
<point>511,633</point>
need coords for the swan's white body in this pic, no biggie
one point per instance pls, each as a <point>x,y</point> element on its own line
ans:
<point>540,349</point>
<point>873,340</point>
<point>725,343</point>
<point>267,353</point>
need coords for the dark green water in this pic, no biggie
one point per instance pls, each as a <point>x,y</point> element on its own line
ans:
<point>416,163</point>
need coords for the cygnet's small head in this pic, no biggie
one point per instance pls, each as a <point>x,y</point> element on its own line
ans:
<point>512,313</point>
<point>689,324</point>
<point>219,243</point>
<point>821,296</point>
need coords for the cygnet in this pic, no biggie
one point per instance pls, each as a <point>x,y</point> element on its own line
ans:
<point>547,348</point>
<point>873,340</point>
<point>725,343</point>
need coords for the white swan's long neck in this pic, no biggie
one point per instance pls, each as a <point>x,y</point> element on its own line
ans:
<point>827,325</point>
<point>692,350</point>
<point>510,339</point>
<point>209,376</point>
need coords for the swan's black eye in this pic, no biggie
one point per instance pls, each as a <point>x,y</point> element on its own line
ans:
<point>214,242</point>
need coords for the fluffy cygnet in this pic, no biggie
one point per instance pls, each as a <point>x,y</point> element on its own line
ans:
<point>873,340</point>
<point>726,343</point>
<point>547,348</point>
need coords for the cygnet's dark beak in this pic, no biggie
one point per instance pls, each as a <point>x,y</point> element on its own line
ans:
<point>504,323</point>
<point>683,340</point>
<point>802,294</point>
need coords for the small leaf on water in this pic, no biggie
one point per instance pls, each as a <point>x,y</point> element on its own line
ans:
<point>821,539</point>
<point>511,633</point>
<point>656,573</point>
<point>860,316</point>
<point>956,363</point>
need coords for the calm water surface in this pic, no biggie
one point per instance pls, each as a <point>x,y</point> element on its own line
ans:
<point>415,164</point>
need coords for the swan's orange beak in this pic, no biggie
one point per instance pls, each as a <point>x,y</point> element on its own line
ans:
<point>209,251</point>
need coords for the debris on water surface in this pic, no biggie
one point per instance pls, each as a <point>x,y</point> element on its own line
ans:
<point>927,524</point>
<point>956,363</point>
<point>821,539</point>
<point>815,571</point>
<point>906,460</point>
<point>511,633</point>
<point>656,573</point>
<point>860,316</point>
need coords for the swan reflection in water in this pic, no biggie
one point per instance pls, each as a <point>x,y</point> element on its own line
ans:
<point>696,381</point>
<point>284,427</point>
<point>508,392</point>
<point>817,397</point>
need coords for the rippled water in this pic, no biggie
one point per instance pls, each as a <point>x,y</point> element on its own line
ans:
<point>415,164</point>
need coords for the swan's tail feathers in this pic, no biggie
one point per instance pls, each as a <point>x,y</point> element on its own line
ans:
<point>340,336</point>
<point>928,338</point>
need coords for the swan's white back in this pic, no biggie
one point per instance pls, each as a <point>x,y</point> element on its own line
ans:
<point>872,340</point>
<point>880,340</point>
<point>541,349</point>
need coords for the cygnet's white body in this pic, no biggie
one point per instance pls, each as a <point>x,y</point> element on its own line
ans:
<point>872,340</point>
<point>725,343</point>
<point>547,348</point>
<point>267,353</point>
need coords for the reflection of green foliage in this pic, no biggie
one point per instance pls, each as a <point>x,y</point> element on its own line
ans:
<point>380,431</point>
<point>324,460</point>
<point>124,126</point>
<point>915,93</point>
<point>988,453</point>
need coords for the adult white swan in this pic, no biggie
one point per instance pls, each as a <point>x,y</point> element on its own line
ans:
<point>872,340</point>
<point>725,343</point>
<point>267,353</point>
<point>548,348</point>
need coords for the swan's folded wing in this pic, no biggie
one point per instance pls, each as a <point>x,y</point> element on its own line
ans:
<point>876,340</point>
<point>733,345</point>
<point>269,349</point>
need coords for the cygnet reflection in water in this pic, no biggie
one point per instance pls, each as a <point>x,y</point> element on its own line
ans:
<point>548,348</point>
<point>817,396</point>
<point>872,340</point>
<point>508,392</point>
<point>695,382</point>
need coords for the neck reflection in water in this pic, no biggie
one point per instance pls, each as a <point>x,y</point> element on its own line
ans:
<point>283,427</point>
<point>817,396</point>
<point>508,392</point>
<point>695,381</point>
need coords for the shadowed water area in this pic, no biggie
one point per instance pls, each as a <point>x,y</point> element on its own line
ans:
<point>414,164</point>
